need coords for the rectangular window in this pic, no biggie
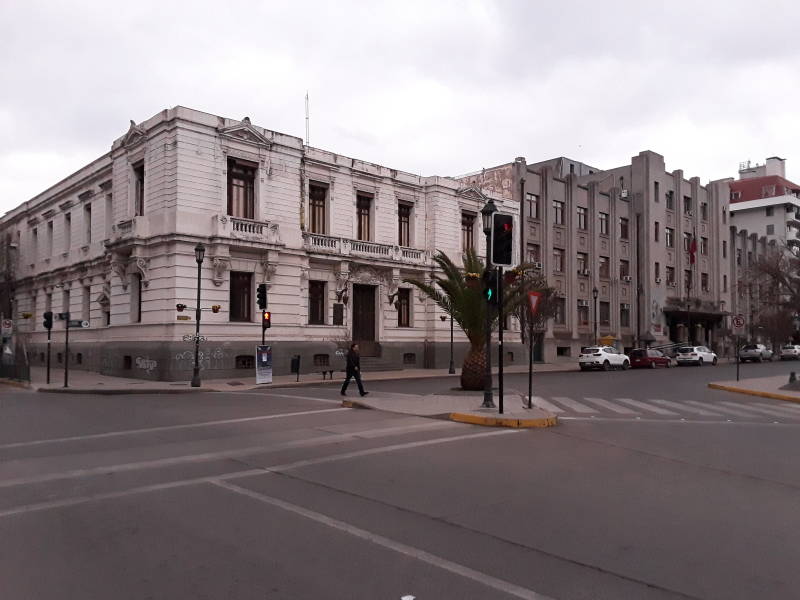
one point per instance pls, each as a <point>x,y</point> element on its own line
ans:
<point>404,224</point>
<point>670,275</point>
<point>241,189</point>
<point>704,211</point>
<point>724,216</point>
<point>85,304</point>
<point>724,283</point>
<point>404,307</point>
<point>467,231</point>
<point>669,236</point>
<point>704,245</point>
<point>604,313</point>
<point>724,249</point>
<point>687,205</point>
<point>623,228</point>
<point>582,263</point>
<point>687,241</point>
<point>656,231</point>
<point>656,193</point>
<point>560,317</point>
<point>109,215</point>
<point>770,229</point>
<point>770,211</point>
<point>624,268</point>
<point>49,251</point>
<point>625,315</point>
<point>583,312</point>
<point>687,280</point>
<point>87,223</point>
<point>317,206</point>
<point>533,205</point>
<point>670,200</point>
<point>240,299</point>
<point>558,212</point>
<point>316,302</point>
<point>67,231</point>
<point>136,298</point>
<point>558,260</point>
<point>363,211</point>
<point>534,253</point>
<point>604,223</point>
<point>65,301</point>
<point>138,189</point>
<point>739,257</point>
<point>582,217</point>
<point>704,281</point>
<point>657,270</point>
<point>48,302</point>
<point>605,267</point>
<point>35,243</point>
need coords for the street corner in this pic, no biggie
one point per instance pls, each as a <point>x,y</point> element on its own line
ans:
<point>740,388</point>
<point>516,421</point>
<point>17,384</point>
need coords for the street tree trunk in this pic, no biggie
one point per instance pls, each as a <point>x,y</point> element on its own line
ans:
<point>473,370</point>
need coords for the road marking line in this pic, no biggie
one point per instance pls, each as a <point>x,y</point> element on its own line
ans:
<point>390,544</point>
<point>765,411</point>
<point>684,407</point>
<point>95,436</point>
<point>542,403</point>
<point>611,406</point>
<point>789,410</point>
<point>576,406</point>
<point>723,409</point>
<point>248,472</point>
<point>647,407</point>
<point>272,394</point>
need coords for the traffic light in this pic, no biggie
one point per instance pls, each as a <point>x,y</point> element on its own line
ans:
<point>261,296</point>
<point>180,307</point>
<point>489,279</point>
<point>267,320</point>
<point>48,320</point>
<point>502,239</point>
<point>215,308</point>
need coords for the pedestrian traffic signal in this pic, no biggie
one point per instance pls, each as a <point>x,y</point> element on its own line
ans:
<point>215,308</point>
<point>490,285</point>
<point>180,307</point>
<point>266,320</point>
<point>261,296</point>
<point>48,320</point>
<point>502,239</point>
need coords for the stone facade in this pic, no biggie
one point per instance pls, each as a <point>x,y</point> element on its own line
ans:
<point>113,244</point>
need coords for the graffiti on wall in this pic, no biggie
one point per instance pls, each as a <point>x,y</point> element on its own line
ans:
<point>207,359</point>
<point>146,364</point>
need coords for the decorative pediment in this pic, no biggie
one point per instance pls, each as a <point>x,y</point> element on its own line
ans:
<point>245,132</point>
<point>471,193</point>
<point>136,135</point>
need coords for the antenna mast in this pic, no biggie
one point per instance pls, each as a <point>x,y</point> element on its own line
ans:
<point>308,138</point>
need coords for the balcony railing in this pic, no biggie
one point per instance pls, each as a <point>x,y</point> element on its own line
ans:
<point>326,244</point>
<point>246,229</point>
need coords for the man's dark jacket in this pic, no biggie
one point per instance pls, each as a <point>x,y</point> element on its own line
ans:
<point>353,362</point>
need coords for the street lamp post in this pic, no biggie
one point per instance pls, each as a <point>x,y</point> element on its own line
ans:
<point>452,369</point>
<point>199,253</point>
<point>486,215</point>
<point>595,293</point>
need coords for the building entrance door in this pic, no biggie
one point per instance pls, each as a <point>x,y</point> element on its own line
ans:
<point>364,319</point>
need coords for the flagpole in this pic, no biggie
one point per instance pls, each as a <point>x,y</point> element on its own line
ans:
<point>692,260</point>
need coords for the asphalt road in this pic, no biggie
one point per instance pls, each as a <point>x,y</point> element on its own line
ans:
<point>282,494</point>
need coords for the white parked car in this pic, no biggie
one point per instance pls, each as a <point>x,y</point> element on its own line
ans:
<point>602,357</point>
<point>790,352</point>
<point>695,355</point>
<point>755,352</point>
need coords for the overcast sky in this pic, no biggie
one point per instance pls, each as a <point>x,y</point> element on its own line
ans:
<point>433,87</point>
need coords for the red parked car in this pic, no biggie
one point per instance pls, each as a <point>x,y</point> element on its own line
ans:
<point>641,358</point>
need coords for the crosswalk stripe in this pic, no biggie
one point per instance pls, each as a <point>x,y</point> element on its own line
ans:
<point>576,406</point>
<point>724,409</point>
<point>680,406</point>
<point>611,406</point>
<point>766,411</point>
<point>647,407</point>
<point>789,409</point>
<point>542,403</point>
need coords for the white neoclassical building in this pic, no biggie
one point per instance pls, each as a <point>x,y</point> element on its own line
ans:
<point>332,237</point>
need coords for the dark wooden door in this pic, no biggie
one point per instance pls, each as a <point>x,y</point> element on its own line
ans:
<point>364,316</point>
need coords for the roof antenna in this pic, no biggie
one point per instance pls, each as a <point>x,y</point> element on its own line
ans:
<point>308,138</point>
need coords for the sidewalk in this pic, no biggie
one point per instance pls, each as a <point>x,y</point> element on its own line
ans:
<point>763,387</point>
<point>90,382</point>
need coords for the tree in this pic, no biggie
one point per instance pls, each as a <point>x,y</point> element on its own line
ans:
<point>458,292</point>
<point>780,269</point>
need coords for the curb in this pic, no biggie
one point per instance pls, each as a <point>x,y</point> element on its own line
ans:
<point>18,384</point>
<point>117,392</point>
<point>503,421</point>
<point>748,392</point>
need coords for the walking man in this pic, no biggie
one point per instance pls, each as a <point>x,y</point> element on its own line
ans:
<point>353,370</point>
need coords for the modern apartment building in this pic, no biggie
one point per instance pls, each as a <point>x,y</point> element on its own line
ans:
<point>638,253</point>
<point>333,238</point>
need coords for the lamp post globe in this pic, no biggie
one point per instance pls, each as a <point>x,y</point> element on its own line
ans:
<point>595,293</point>
<point>486,215</point>
<point>199,254</point>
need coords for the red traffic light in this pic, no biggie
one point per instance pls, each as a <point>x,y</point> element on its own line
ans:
<point>180,307</point>
<point>267,320</point>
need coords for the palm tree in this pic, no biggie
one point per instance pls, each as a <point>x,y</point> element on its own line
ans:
<point>458,292</point>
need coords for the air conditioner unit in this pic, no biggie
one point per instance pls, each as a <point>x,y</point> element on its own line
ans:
<point>658,280</point>
<point>537,265</point>
<point>623,194</point>
<point>627,278</point>
<point>583,303</point>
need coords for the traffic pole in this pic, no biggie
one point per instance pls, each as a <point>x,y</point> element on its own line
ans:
<point>738,360</point>
<point>263,330</point>
<point>48,354</point>
<point>530,365</point>
<point>66,354</point>
<point>500,339</point>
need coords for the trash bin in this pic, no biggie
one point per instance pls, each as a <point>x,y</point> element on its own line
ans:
<point>295,368</point>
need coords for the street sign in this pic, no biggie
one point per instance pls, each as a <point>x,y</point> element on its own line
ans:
<point>738,323</point>
<point>84,324</point>
<point>184,318</point>
<point>263,364</point>
<point>75,323</point>
<point>533,300</point>
<point>7,327</point>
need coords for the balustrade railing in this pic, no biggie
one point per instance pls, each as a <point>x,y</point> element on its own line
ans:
<point>317,242</point>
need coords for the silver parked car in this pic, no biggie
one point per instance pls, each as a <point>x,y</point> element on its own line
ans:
<point>790,352</point>
<point>755,353</point>
<point>695,355</point>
